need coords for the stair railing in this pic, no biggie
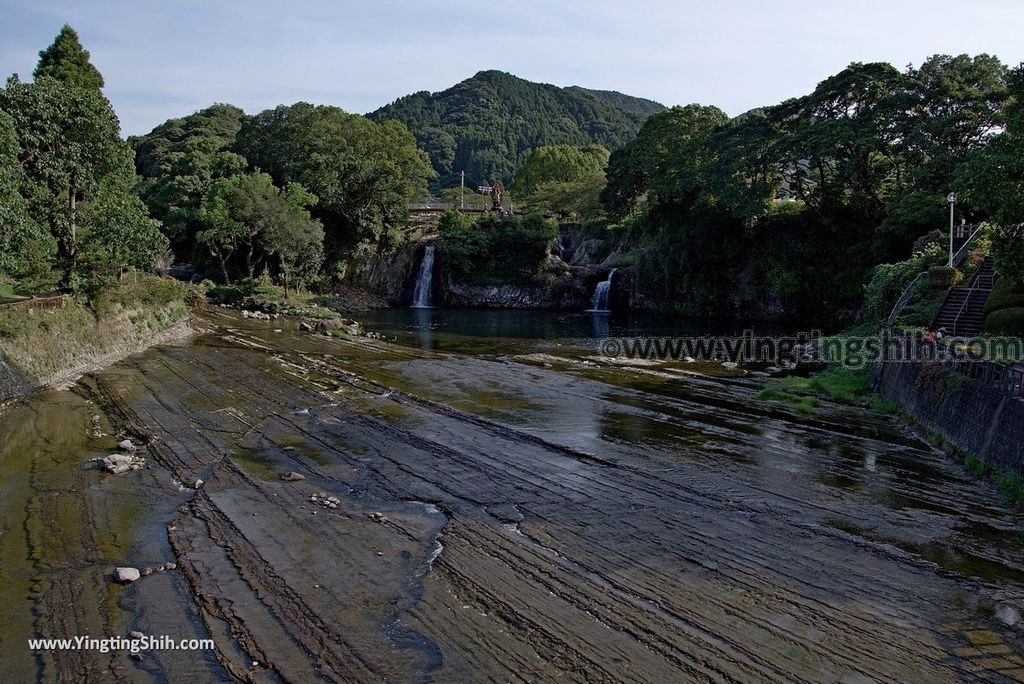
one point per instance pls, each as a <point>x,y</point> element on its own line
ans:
<point>958,259</point>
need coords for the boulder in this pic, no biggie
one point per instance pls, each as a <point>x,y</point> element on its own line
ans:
<point>292,476</point>
<point>126,575</point>
<point>120,463</point>
<point>126,445</point>
<point>345,325</point>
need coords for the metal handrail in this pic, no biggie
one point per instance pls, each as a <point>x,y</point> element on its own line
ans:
<point>963,307</point>
<point>958,259</point>
<point>961,253</point>
<point>904,298</point>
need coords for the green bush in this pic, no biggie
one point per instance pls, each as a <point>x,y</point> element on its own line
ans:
<point>150,292</point>
<point>494,249</point>
<point>1006,322</point>
<point>1005,295</point>
<point>944,276</point>
<point>889,280</point>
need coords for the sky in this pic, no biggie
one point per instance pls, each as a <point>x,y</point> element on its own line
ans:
<point>167,58</point>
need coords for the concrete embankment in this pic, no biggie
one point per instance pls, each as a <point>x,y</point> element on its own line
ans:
<point>973,416</point>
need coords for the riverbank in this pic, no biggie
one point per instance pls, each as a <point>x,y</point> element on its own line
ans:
<point>54,345</point>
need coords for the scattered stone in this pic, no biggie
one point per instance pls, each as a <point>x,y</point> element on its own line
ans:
<point>292,476</point>
<point>1008,615</point>
<point>137,635</point>
<point>288,448</point>
<point>380,553</point>
<point>147,572</point>
<point>160,568</point>
<point>126,575</point>
<point>121,463</point>
<point>170,566</point>
<point>126,445</point>
<point>96,430</point>
<point>198,484</point>
<point>305,327</point>
<point>332,505</point>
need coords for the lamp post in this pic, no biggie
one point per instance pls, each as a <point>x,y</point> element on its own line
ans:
<point>951,198</point>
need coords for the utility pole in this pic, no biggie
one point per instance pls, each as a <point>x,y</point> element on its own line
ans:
<point>462,189</point>
<point>952,201</point>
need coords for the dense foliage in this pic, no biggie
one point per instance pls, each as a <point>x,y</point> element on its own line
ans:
<point>493,250</point>
<point>563,180</point>
<point>364,173</point>
<point>487,125</point>
<point>66,197</point>
<point>290,190</point>
<point>797,203</point>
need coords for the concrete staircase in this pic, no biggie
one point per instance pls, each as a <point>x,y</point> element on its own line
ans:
<point>962,313</point>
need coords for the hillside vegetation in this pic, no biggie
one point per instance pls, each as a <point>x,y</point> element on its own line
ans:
<point>488,124</point>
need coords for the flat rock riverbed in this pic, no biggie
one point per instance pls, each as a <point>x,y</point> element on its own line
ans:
<point>491,513</point>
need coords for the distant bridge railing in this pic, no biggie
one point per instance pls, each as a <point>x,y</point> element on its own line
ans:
<point>446,206</point>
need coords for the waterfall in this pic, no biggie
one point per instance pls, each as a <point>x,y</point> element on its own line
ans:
<point>601,293</point>
<point>421,294</point>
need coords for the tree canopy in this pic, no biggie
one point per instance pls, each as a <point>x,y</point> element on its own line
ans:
<point>68,62</point>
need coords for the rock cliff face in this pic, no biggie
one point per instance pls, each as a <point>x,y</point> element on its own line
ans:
<point>385,273</point>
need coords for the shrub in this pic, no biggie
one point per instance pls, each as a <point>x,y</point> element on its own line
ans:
<point>1005,295</point>
<point>494,249</point>
<point>889,280</point>
<point>1006,322</point>
<point>944,276</point>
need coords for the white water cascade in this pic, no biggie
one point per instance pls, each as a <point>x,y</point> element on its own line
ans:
<point>601,294</point>
<point>421,294</point>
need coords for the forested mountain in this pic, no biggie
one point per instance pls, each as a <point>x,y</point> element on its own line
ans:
<point>487,125</point>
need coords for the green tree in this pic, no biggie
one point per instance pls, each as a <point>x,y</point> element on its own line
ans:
<point>118,235</point>
<point>248,218</point>
<point>364,173</point>
<point>26,249</point>
<point>69,145</point>
<point>666,160</point>
<point>68,62</point>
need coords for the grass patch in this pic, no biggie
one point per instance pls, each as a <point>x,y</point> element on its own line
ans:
<point>802,403</point>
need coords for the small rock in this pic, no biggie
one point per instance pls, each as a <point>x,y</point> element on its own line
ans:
<point>147,572</point>
<point>160,568</point>
<point>126,445</point>
<point>1008,615</point>
<point>170,566</point>
<point>292,476</point>
<point>380,553</point>
<point>198,484</point>
<point>288,448</point>
<point>305,327</point>
<point>137,635</point>
<point>121,463</point>
<point>126,575</point>
<point>729,364</point>
<point>301,412</point>
<point>332,505</point>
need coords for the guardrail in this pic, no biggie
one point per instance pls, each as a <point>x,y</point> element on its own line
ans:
<point>55,302</point>
<point>1006,378</point>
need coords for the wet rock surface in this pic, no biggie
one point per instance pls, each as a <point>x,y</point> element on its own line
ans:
<point>506,516</point>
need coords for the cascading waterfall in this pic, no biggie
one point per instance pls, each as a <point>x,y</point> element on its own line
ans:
<point>421,294</point>
<point>601,294</point>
